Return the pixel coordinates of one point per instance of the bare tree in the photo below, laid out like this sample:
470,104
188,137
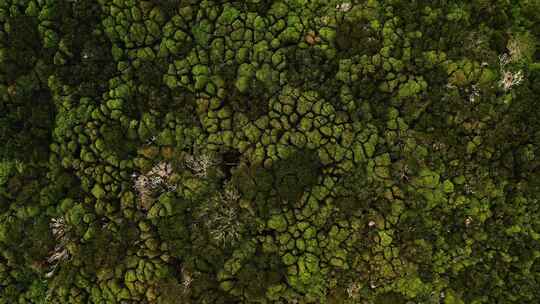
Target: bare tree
60,252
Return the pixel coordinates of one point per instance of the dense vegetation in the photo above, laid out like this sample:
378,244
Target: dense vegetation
258,151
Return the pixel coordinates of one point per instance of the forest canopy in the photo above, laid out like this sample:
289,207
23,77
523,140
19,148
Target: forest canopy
270,151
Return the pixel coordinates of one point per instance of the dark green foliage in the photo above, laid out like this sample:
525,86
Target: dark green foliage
91,252
23,47
25,121
86,60
263,267
312,69
111,134
352,38
289,178
390,298
175,231
296,174
89,68
172,292
257,6
355,192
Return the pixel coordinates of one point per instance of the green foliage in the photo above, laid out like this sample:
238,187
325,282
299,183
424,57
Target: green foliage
260,151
